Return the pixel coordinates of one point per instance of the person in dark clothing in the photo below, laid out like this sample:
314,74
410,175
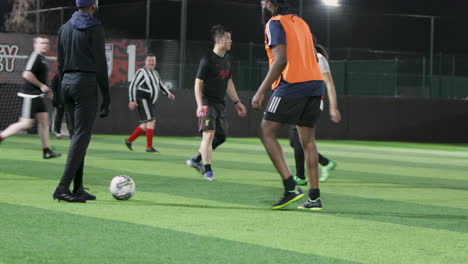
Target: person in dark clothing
32,92
57,102
214,80
83,66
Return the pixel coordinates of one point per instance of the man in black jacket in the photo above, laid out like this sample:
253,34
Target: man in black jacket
82,63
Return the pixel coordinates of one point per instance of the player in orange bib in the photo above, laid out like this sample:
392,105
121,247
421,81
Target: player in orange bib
297,84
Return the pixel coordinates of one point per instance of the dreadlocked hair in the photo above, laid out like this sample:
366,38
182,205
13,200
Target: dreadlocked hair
281,6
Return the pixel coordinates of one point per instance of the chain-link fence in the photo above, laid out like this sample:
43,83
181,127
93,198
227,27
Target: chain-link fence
371,54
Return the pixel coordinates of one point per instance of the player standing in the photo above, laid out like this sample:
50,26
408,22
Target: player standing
214,80
83,66
298,86
143,93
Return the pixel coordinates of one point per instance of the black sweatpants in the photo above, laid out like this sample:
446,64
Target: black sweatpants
80,98
59,111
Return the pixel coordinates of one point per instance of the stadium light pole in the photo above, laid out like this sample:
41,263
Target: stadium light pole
329,4
183,41
431,41
431,55
38,5
148,14
301,7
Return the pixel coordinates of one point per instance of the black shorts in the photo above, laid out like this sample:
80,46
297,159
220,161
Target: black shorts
146,110
214,119
31,106
304,111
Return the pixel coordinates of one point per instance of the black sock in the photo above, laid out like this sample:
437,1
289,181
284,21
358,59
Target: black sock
314,194
197,157
207,167
323,160
289,184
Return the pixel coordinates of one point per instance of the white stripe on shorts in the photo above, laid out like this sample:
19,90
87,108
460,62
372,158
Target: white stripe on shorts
274,104
277,103
145,105
26,113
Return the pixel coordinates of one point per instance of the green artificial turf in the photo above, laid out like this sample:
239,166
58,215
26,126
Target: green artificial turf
385,203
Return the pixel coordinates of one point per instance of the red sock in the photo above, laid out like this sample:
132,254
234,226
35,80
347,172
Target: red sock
149,137
136,133
45,149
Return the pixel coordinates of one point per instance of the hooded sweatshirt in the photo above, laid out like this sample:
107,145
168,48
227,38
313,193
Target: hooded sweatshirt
81,48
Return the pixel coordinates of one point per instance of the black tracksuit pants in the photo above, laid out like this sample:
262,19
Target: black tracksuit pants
80,99
59,111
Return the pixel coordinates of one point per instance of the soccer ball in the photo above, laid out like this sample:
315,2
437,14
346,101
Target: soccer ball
122,187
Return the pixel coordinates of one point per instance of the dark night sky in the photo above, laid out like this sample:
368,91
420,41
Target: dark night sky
355,24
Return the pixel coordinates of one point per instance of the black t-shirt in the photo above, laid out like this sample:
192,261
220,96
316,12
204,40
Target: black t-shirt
215,71
36,64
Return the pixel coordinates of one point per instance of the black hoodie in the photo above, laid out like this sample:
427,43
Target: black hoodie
81,48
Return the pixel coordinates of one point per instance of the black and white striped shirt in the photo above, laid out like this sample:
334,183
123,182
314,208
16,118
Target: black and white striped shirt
147,81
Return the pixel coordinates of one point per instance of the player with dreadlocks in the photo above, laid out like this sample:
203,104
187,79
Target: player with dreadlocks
297,84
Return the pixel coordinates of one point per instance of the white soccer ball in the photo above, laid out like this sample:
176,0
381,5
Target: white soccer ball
122,187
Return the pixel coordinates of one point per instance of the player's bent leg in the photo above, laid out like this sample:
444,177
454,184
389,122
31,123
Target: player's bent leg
138,131
269,130
150,124
295,143
307,136
218,139
22,124
43,120
43,128
269,138
328,167
206,150
149,136
196,165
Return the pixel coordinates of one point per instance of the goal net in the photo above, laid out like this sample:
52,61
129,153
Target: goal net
11,71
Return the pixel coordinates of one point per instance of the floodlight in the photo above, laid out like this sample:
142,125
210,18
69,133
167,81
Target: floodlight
331,2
